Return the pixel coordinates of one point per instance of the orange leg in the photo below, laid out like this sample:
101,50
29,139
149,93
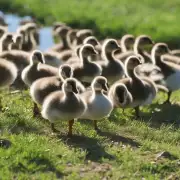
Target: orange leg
137,112
53,128
95,125
1,107
36,110
71,122
168,99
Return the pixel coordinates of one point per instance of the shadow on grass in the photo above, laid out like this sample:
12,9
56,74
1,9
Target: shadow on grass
163,114
117,138
42,165
95,152
157,115
19,124
112,136
17,129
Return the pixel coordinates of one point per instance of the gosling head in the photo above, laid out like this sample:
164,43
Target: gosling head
23,32
72,38
7,38
110,45
128,40
61,31
37,57
130,63
144,42
57,25
65,71
27,21
82,34
91,40
120,94
70,85
100,83
30,28
18,40
87,50
160,49
72,34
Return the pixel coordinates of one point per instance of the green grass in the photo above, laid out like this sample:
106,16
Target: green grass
158,18
125,149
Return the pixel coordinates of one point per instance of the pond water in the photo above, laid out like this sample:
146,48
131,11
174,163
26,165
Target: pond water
46,39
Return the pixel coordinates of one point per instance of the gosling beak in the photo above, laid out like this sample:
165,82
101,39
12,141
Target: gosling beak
75,90
105,87
169,52
95,52
13,41
118,50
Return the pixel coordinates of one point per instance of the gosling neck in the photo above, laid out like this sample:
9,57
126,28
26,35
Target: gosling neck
14,46
123,47
5,46
64,42
95,92
108,55
84,59
137,49
69,43
19,46
25,38
34,62
63,78
133,75
67,94
10,46
33,40
154,57
131,72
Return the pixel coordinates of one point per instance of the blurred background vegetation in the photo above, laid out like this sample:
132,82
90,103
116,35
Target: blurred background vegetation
108,18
